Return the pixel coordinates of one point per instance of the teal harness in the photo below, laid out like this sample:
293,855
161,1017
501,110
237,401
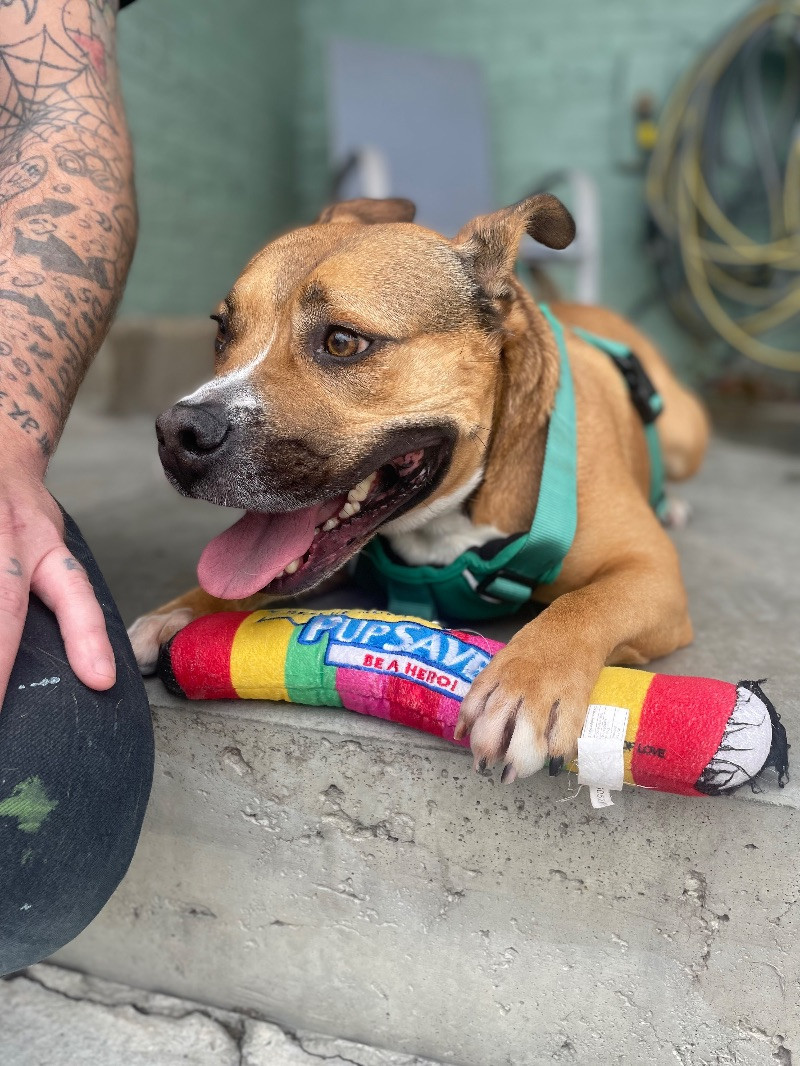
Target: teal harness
475,587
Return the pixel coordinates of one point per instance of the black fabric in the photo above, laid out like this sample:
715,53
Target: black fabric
778,758
75,774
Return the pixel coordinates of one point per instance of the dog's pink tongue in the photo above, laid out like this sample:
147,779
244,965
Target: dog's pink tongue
246,557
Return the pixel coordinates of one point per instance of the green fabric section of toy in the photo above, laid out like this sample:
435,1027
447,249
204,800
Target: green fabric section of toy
307,677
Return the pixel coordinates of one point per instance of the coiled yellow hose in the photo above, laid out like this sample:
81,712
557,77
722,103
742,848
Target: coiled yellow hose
685,211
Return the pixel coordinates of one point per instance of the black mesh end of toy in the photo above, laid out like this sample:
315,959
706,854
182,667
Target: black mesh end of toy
778,758
165,671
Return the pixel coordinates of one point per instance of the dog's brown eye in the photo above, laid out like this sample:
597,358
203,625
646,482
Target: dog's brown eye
222,331
343,344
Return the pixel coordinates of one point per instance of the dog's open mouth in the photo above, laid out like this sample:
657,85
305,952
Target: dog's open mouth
291,552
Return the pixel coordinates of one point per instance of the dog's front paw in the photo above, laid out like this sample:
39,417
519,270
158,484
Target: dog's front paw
148,633
522,711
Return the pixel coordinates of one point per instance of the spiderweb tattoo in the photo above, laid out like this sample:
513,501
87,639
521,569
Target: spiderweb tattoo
49,90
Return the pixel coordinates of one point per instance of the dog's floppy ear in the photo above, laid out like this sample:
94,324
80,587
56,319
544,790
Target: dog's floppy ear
489,243
394,209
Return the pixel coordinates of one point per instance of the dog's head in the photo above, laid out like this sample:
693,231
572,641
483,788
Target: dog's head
355,385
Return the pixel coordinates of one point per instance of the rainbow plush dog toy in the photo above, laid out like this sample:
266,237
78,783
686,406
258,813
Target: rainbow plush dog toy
687,735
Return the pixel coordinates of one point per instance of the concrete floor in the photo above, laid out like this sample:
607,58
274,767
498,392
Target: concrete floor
55,1017
624,965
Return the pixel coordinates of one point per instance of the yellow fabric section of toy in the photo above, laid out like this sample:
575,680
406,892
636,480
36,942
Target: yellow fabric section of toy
619,686
258,659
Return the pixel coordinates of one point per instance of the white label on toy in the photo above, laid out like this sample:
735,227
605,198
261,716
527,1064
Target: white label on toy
600,797
600,748
604,722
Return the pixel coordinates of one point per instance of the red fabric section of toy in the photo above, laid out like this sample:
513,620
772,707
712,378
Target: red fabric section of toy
422,708
200,656
681,728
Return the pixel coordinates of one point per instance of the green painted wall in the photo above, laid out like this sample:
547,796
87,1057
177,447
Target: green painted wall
209,89
561,76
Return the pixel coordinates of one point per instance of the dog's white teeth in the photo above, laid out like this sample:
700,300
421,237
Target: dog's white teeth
316,530
281,574
332,523
362,489
350,509
293,566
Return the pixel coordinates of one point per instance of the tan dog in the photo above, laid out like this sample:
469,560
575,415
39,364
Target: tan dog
373,374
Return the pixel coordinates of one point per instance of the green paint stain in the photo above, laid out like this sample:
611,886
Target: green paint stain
29,804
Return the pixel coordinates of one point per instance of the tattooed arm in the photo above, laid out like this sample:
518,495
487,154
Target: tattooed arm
67,232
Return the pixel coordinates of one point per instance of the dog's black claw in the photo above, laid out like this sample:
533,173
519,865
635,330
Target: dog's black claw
482,765
556,766
508,770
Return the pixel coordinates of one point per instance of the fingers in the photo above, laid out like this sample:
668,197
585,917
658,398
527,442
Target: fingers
14,586
61,583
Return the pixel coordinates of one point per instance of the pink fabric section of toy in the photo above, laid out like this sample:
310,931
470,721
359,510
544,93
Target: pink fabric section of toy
400,697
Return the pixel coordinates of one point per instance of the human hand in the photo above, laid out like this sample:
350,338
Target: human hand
34,557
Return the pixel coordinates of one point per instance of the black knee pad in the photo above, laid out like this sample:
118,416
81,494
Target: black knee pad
75,773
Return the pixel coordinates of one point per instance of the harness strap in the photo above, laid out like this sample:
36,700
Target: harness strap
543,550
647,402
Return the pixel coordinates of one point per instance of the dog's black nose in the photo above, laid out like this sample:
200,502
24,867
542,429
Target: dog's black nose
193,435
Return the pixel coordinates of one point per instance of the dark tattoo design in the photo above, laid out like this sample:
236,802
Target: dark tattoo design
35,305
28,5
14,569
27,280
20,175
72,564
80,158
51,88
39,352
56,208
65,255
56,256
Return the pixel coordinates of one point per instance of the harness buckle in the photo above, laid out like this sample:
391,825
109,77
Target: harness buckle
502,574
644,397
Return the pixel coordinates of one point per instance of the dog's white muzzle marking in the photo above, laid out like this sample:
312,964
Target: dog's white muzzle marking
235,388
